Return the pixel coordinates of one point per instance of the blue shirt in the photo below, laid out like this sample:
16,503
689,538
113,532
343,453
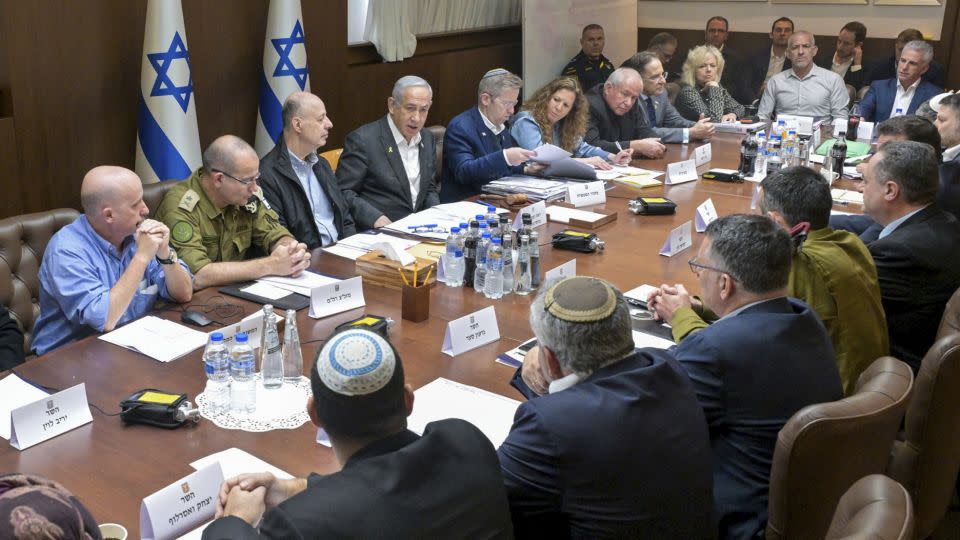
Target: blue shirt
526,132
319,203
892,226
79,268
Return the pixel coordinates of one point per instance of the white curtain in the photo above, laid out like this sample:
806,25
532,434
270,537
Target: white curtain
392,25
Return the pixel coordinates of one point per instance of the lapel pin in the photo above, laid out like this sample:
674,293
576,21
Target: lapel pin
389,149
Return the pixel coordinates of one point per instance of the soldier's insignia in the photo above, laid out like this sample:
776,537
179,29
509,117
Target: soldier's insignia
189,200
182,231
252,205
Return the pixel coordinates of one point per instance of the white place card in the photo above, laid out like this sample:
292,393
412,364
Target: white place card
48,417
538,215
336,298
703,154
803,124
250,325
680,172
586,194
565,270
755,199
817,158
706,214
679,240
471,331
181,506
16,393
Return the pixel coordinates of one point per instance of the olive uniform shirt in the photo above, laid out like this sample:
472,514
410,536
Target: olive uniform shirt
201,233
835,275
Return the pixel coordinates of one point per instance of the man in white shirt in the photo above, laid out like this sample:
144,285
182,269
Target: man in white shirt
847,61
904,93
806,89
766,63
390,163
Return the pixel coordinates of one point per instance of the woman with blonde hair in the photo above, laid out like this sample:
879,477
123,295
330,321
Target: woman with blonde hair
557,114
701,93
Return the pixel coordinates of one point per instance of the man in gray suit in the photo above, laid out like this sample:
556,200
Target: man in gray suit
390,162
656,109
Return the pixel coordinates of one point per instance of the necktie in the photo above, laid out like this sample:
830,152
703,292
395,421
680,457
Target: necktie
651,112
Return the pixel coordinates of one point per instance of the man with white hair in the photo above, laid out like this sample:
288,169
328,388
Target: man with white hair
615,122
390,162
805,89
902,94
109,266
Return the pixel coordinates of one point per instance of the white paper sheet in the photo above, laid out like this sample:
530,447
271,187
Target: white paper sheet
562,214
443,398
157,338
300,284
16,393
266,290
235,461
641,339
548,153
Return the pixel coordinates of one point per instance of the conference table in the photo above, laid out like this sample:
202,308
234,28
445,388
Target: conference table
111,467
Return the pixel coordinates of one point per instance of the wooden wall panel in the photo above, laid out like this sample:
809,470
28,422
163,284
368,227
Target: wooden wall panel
9,169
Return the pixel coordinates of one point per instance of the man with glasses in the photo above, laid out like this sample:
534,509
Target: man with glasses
477,146
299,185
615,122
218,218
763,344
807,89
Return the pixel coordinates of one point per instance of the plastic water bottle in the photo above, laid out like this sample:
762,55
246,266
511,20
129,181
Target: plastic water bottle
216,363
507,246
493,284
790,149
483,245
898,112
480,274
521,272
774,162
292,356
271,357
491,212
453,244
243,389
494,227
760,164
455,268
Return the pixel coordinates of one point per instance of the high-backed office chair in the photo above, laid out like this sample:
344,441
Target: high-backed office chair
153,194
23,239
332,157
438,133
950,323
823,449
874,507
926,462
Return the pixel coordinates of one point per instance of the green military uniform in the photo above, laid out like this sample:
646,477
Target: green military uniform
201,233
589,72
835,275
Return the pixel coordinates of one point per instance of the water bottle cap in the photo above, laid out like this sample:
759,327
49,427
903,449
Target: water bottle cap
241,337
491,208
463,224
479,217
496,240
483,224
454,229
792,132
485,235
216,336
458,253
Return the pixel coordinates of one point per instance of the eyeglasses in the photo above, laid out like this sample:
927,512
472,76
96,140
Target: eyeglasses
506,104
246,182
658,78
696,268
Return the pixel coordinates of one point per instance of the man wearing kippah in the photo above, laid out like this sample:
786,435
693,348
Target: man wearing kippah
615,444
393,483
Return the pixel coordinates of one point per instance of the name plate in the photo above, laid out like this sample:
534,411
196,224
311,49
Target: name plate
251,325
181,506
336,297
565,270
48,417
586,194
703,154
538,215
706,214
678,240
681,172
471,331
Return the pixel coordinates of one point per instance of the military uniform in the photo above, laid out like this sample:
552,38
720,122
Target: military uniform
589,72
202,234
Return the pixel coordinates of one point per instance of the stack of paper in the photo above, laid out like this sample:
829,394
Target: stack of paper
300,284
441,217
157,338
738,127
562,214
359,244
443,398
536,189
846,196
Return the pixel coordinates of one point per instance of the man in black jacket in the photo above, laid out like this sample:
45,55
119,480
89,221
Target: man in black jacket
615,120
300,186
11,341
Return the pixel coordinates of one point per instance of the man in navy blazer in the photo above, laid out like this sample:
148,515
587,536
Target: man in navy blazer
948,124
886,68
390,162
763,345
914,245
907,91
477,146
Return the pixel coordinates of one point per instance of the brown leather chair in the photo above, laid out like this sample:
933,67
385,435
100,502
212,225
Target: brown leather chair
332,157
23,239
438,133
926,462
950,323
874,507
153,194
823,449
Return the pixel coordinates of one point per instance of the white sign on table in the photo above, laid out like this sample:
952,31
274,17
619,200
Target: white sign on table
48,417
565,270
703,154
681,172
538,215
336,297
250,325
586,194
181,506
471,331
706,214
678,240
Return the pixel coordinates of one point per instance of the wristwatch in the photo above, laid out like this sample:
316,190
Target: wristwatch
172,259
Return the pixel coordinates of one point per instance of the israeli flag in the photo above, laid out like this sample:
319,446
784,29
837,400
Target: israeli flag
168,142
284,69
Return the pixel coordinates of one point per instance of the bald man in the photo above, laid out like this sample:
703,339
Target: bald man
108,267
218,219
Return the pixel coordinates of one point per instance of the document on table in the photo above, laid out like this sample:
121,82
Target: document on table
548,153
157,338
300,284
443,398
562,214
846,196
266,290
16,393
642,339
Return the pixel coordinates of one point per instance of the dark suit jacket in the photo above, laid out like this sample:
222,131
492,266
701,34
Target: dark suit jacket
370,169
605,128
445,484
286,196
11,341
755,67
887,69
623,453
949,195
735,78
876,105
751,373
472,156
670,124
918,266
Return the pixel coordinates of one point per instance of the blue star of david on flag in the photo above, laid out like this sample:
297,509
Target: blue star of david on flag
161,62
284,47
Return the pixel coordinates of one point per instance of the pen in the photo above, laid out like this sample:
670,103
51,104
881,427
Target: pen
620,148
428,226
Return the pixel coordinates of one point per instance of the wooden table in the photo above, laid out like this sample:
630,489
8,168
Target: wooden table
112,467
